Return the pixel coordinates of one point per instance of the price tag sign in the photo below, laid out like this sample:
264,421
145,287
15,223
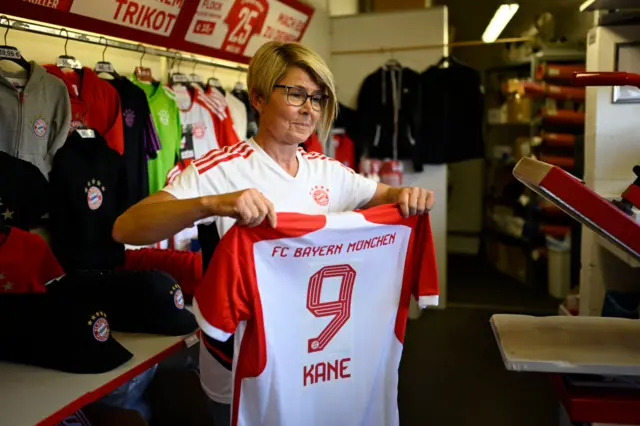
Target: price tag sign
104,67
8,52
191,340
179,78
86,133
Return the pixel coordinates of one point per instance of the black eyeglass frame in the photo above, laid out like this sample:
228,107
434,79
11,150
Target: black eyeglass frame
323,99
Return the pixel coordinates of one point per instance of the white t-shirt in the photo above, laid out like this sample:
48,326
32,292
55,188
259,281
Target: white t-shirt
319,308
322,185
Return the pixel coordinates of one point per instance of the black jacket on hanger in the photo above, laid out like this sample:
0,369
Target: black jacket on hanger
388,112
451,113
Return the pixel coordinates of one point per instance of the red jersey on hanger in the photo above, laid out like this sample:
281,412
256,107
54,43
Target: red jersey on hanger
343,150
26,263
245,19
313,144
94,103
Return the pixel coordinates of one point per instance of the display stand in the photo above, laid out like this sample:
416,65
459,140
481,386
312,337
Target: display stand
37,396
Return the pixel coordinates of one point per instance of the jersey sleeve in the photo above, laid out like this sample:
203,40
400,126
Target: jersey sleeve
114,134
186,185
425,270
190,184
356,190
223,297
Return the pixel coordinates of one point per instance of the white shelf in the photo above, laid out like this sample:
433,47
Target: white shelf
38,396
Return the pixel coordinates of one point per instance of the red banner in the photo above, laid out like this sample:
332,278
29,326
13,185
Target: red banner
226,29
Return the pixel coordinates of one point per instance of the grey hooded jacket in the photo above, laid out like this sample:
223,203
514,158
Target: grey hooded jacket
34,124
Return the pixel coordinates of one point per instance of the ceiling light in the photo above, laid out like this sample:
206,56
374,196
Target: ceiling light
499,21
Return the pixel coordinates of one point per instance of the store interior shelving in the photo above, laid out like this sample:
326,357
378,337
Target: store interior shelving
531,111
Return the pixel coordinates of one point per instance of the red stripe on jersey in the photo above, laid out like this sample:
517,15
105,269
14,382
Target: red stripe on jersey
223,157
318,156
215,153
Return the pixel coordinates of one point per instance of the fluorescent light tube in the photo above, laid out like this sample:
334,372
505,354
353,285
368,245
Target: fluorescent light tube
499,21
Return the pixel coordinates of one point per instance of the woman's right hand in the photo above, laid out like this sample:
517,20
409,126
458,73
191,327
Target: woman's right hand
248,206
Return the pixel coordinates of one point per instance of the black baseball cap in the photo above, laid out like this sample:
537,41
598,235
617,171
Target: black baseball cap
136,301
60,333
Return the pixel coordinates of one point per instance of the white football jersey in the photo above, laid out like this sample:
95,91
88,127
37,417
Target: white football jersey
319,307
321,186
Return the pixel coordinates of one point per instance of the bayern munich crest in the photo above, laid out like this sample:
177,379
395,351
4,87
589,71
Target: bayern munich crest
320,195
178,299
39,127
94,190
100,328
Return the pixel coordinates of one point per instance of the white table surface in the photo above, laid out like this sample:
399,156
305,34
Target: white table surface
564,344
28,395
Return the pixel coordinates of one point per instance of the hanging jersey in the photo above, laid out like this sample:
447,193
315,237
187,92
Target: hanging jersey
238,115
313,144
26,263
26,204
166,118
94,103
319,307
198,129
245,19
321,186
140,137
343,149
88,183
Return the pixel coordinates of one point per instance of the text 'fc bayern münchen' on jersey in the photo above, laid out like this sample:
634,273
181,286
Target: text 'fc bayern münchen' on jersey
319,307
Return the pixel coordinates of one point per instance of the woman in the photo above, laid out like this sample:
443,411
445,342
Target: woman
294,93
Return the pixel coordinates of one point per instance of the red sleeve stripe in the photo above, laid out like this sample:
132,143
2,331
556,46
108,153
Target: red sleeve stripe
318,156
173,173
241,150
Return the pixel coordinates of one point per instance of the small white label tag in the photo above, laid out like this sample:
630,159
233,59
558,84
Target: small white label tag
17,82
86,133
9,53
191,340
68,62
186,154
104,67
179,78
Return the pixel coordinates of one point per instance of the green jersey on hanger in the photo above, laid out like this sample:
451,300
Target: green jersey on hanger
166,118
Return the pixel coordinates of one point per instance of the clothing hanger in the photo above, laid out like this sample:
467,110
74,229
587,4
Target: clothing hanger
194,78
104,67
10,53
143,74
66,61
178,77
239,84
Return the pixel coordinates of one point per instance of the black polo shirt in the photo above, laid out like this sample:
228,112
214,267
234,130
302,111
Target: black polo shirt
89,190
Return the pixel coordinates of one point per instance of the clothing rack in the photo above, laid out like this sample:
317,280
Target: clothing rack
38,28
431,46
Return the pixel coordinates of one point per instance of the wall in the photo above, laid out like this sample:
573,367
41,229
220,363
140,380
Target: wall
406,28
611,151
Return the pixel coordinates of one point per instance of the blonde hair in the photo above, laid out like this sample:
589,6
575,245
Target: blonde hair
270,64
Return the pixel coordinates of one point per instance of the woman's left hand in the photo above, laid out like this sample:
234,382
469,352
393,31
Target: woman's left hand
414,201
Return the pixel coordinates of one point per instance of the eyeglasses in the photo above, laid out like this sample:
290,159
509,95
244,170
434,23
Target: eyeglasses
296,96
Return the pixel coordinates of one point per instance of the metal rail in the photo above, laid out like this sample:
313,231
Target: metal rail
42,29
